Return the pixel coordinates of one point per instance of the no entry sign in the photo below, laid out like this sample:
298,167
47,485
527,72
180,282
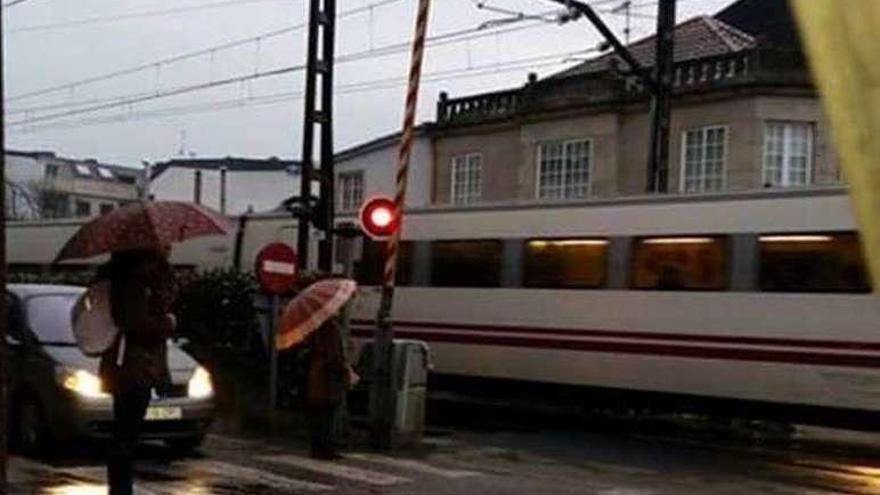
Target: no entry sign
276,268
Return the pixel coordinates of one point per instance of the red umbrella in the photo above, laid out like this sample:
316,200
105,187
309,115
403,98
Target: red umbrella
311,308
143,225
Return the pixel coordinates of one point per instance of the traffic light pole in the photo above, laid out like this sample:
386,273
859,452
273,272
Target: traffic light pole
382,395
322,24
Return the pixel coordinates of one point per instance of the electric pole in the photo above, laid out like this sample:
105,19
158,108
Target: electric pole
322,20
657,81
661,101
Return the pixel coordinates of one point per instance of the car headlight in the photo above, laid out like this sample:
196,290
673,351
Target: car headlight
200,384
83,383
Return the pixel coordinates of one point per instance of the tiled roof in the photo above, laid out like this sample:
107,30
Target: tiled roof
696,38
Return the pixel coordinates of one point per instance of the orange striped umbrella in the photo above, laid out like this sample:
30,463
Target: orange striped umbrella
143,225
311,308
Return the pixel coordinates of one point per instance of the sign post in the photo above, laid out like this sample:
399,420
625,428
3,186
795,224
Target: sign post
277,272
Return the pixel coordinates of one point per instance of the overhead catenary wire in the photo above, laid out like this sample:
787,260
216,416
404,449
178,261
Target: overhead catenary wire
345,89
134,15
451,37
188,55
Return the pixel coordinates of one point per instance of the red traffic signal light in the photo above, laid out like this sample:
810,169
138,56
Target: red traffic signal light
379,218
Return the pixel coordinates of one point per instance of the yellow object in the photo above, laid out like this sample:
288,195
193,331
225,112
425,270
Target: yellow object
84,384
841,38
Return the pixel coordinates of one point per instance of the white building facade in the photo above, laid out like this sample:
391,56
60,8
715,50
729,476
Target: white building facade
233,186
42,185
369,169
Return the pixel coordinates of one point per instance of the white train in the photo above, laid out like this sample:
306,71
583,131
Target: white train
758,301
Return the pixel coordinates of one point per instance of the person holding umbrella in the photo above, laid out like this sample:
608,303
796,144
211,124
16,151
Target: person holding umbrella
142,290
311,318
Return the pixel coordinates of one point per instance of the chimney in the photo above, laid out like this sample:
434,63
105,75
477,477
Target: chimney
197,190
223,171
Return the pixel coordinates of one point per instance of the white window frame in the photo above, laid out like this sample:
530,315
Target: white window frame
469,197
590,169
346,197
786,152
682,184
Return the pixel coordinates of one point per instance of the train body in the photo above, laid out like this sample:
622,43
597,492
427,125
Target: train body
758,301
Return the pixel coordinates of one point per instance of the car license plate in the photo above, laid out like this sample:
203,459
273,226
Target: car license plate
163,413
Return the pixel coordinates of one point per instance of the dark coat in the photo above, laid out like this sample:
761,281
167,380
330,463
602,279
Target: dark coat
327,377
141,299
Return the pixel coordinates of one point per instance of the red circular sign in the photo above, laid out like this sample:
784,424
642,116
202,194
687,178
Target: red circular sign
276,268
378,217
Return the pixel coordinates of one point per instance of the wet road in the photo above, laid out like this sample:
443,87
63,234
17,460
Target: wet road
547,462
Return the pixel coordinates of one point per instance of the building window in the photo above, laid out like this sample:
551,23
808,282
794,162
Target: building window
466,263
703,152
107,207
680,263
788,154
813,263
51,170
83,208
467,178
564,169
351,190
565,263
83,170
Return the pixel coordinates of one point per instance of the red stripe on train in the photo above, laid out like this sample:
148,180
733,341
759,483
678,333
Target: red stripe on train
697,352
636,335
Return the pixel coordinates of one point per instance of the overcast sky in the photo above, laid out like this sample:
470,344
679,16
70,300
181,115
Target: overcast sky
252,122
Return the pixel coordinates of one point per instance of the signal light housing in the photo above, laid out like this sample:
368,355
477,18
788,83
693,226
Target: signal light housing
378,218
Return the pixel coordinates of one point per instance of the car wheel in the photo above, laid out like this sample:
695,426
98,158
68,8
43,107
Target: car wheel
32,434
184,445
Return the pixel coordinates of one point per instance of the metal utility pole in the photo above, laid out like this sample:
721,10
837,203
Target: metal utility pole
322,20
661,102
382,396
659,84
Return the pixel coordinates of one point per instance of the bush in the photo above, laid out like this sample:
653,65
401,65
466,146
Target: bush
216,311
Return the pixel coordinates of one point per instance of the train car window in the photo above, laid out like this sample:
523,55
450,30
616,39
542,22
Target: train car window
812,263
369,268
466,263
565,263
680,263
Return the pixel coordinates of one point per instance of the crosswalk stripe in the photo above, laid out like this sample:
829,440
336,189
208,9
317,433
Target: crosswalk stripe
413,465
213,468
225,469
337,470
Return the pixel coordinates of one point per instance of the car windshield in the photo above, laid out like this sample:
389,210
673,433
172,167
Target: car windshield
49,317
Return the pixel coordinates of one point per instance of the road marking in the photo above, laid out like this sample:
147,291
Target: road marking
337,470
413,465
240,473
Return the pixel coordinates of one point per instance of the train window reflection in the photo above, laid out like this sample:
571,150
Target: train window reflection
466,263
565,263
369,269
680,263
813,263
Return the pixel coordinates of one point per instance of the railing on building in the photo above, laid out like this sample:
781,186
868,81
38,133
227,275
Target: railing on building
754,66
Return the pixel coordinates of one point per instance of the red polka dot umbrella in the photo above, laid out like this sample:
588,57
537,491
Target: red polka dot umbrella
143,225
311,308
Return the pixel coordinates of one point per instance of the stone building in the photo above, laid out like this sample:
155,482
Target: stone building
745,116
